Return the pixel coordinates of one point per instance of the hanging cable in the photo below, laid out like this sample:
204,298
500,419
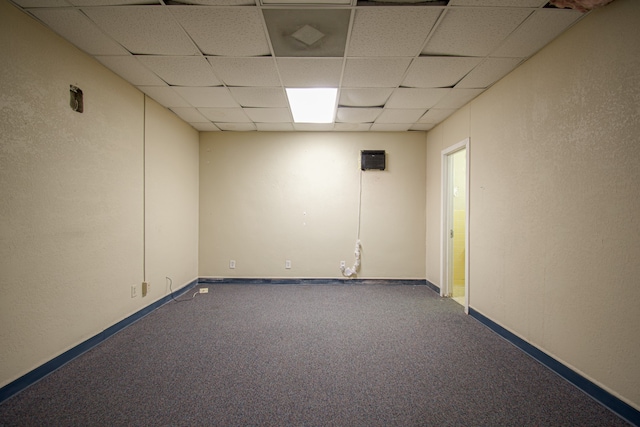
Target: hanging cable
352,271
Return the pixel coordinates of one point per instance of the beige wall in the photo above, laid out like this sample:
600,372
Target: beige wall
554,199
71,217
171,201
268,197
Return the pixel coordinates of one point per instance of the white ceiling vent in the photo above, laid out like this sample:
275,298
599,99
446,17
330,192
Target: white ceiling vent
307,35
308,32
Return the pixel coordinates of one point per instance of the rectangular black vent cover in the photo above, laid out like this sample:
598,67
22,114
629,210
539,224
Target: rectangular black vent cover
372,159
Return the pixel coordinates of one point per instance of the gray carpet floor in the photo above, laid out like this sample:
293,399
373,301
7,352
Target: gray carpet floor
305,355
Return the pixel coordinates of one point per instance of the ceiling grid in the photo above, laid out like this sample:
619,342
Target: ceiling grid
223,65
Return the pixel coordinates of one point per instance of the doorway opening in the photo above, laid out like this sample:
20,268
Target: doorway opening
455,224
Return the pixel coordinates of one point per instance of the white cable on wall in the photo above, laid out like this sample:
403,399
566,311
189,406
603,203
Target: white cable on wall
352,271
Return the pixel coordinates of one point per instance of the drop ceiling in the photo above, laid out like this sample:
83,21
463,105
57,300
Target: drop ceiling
222,65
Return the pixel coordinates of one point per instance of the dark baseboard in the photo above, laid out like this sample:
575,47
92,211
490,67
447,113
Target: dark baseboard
596,392
302,281
434,288
42,371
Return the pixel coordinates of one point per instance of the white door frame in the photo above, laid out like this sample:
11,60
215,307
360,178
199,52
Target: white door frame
444,224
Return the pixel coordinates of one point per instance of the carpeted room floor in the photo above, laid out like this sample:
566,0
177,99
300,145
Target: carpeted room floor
306,355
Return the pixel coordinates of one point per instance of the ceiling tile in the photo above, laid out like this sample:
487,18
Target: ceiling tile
352,127
364,97
41,3
310,72
286,29
274,127
205,127
487,73
320,127
499,3
400,115
422,126
190,115
374,72
224,31
148,30
75,27
111,2
438,71
416,98
357,115
268,115
165,96
390,127
181,70
457,98
474,31
219,2
259,96
237,127
245,71
225,115
542,27
435,116
386,31
207,96
131,70
315,2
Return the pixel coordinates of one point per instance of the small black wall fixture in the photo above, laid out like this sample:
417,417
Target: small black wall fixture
75,99
372,159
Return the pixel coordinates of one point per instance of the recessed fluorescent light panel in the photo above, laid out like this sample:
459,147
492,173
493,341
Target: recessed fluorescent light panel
312,105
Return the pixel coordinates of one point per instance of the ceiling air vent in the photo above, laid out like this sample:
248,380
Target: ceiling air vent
372,160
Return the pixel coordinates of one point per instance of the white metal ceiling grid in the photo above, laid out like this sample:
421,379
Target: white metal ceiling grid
224,64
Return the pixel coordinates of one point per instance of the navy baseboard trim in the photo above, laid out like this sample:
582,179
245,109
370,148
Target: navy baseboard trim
434,288
42,371
293,281
596,392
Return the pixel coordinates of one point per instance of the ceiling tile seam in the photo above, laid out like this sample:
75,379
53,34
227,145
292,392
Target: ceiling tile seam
406,71
478,65
204,56
186,33
84,15
435,26
275,62
443,12
529,17
352,18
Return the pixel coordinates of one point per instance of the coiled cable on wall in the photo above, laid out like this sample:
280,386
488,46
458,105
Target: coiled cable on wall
352,271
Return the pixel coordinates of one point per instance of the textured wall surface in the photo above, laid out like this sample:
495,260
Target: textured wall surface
555,199
71,217
266,198
171,200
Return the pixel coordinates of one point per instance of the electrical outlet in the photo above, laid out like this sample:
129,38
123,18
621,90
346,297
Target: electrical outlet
287,264
204,290
134,291
232,264
343,264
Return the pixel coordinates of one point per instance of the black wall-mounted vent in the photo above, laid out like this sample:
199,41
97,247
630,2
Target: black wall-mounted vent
372,160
